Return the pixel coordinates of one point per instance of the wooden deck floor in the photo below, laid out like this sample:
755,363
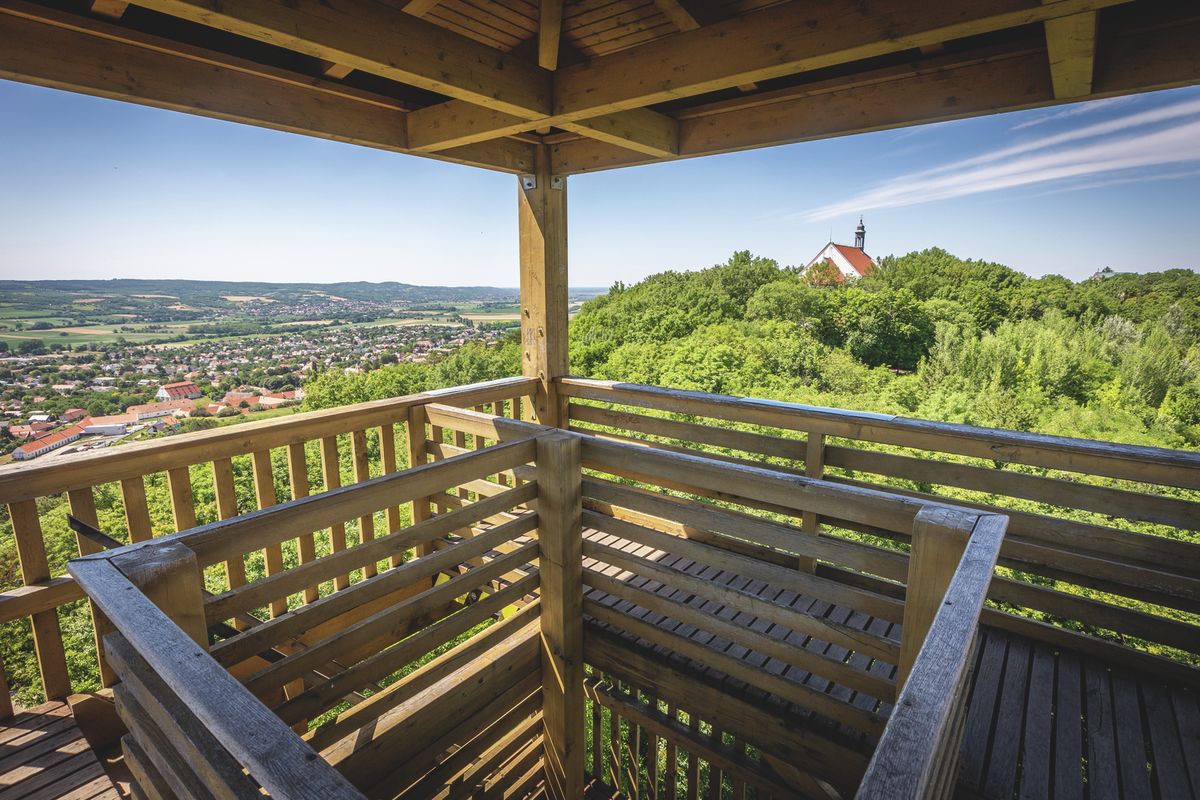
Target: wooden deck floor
1041,723
44,756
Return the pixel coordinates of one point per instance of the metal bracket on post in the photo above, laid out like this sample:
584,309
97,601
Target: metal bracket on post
558,182
529,182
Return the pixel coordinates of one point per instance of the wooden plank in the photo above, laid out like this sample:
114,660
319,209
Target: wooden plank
874,604
1101,733
331,470
1071,46
137,513
383,41
1001,778
264,495
1131,738
183,508
226,605
1129,462
82,503
542,224
47,633
274,755
143,694
560,562
30,481
382,664
387,465
917,754
298,479
1068,724
295,622
788,690
420,679
362,473
1169,765
814,467
169,576
549,32
418,455
1036,741
226,494
940,538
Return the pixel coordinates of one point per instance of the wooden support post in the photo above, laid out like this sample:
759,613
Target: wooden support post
47,633
542,216
418,455
814,467
83,508
939,538
560,561
169,575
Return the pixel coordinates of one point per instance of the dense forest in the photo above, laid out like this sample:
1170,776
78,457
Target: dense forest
927,335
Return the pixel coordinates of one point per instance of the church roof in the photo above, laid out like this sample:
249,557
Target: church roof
863,264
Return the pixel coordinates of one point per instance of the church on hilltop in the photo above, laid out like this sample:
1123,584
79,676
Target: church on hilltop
851,262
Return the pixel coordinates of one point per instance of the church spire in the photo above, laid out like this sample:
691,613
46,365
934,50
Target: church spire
860,235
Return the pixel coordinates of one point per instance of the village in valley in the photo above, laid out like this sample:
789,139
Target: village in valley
123,366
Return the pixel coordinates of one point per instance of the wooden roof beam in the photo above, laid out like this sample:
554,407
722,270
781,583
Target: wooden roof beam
779,41
502,89
951,87
549,33
784,40
382,40
1071,48
113,9
49,48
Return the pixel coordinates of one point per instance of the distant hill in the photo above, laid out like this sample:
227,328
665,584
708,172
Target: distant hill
209,293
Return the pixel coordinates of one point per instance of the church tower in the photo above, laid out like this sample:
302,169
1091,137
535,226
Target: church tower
860,235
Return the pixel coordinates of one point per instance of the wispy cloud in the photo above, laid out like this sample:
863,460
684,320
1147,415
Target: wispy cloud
1156,137
1076,110
1175,175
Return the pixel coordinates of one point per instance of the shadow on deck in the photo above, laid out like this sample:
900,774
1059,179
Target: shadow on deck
1042,722
45,756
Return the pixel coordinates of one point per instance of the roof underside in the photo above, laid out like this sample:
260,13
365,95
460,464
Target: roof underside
603,83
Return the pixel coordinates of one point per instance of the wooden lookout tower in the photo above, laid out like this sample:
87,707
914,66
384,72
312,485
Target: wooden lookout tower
552,586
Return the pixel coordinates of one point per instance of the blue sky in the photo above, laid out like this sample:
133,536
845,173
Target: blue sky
91,188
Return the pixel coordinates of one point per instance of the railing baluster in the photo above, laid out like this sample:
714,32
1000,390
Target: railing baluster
47,633
814,467
264,493
298,478
331,468
362,472
417,455
82,503
183,506
137,511
6,704
235,568
387,462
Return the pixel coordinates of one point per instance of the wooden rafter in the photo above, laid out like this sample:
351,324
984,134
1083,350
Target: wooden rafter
1071,48
777,42
113,9
378,39
680,17
549,33
419,8
63,51
950,87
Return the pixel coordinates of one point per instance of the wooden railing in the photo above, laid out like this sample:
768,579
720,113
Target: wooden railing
1077,574
835,660
397,668
306,444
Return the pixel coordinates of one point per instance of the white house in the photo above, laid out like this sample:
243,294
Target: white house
852,262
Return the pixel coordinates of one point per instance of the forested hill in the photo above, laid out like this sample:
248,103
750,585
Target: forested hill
927,335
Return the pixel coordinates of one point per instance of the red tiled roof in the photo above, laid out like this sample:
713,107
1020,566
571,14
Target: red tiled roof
862,263
52,439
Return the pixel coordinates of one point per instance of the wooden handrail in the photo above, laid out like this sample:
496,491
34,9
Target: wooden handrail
29,481
918,753
1164,466
269,750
